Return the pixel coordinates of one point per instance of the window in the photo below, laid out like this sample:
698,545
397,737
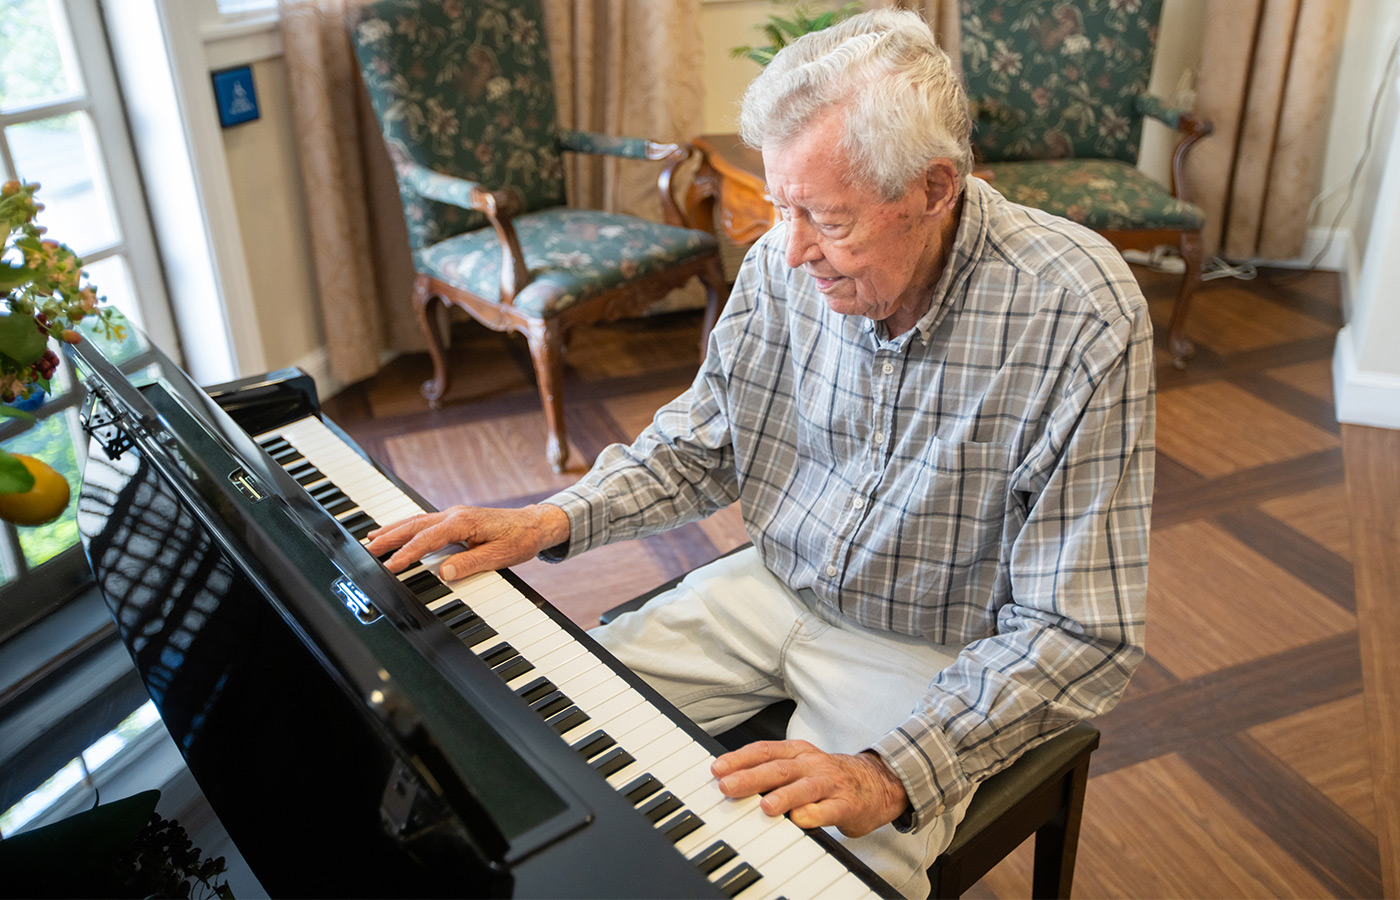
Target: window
61,124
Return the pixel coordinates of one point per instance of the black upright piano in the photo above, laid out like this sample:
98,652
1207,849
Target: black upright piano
360,733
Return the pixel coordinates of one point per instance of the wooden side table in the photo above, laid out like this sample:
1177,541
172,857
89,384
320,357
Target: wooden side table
731,175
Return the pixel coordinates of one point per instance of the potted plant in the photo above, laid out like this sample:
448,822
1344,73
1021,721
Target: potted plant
782,31
43,295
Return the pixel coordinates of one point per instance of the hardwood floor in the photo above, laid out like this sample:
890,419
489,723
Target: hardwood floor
1256,751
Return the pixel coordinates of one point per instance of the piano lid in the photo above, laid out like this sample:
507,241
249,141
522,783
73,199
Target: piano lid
190,525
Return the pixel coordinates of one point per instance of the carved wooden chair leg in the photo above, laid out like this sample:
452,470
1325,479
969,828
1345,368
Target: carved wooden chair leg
547,352
716,295
434,388
1193,256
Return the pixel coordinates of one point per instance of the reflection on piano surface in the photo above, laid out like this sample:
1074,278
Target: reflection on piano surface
361,733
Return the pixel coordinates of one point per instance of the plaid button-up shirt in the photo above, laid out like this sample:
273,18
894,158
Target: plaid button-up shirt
983,479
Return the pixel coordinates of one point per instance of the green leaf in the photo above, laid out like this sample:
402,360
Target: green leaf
12,277
13,413
14,477
20,339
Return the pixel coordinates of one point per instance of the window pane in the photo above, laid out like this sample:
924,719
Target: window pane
50,440
61,154
112,278
36,65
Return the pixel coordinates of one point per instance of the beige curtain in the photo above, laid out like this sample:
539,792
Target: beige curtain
359,246
630,68
1265,81
621,67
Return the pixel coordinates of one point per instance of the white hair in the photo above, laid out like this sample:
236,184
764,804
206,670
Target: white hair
903,103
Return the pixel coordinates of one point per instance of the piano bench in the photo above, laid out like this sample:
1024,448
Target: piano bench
1041,794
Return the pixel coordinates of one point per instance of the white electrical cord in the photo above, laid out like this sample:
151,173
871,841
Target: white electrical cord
1351,184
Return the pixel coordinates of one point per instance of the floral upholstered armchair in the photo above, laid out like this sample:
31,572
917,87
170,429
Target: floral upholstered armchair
1058,91
465,98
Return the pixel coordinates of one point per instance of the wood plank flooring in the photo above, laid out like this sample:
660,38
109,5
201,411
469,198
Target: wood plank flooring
1256,752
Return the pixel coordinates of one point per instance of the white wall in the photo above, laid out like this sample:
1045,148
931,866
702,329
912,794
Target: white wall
1366,364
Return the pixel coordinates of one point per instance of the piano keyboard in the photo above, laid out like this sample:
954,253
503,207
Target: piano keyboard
638,749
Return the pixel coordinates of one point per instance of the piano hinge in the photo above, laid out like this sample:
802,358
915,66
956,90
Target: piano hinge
396,806
102,425
355,600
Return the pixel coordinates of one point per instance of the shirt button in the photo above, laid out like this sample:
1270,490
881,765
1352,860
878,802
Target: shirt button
857,502
879,437
830,571
888,369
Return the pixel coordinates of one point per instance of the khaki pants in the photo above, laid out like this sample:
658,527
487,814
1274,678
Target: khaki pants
731,639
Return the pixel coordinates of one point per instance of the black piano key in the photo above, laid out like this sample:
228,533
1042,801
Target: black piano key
339,505
551,703
567,720
610,762
738,879
305,473
594,744
513,669
498,654
359,524
420,581
285,456
661,806
536,689
476,633
681,825
712,857
310,476
327,491
466,623
435,591
451,610
274,442
460,616
641,787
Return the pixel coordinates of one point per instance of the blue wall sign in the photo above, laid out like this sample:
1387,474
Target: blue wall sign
238,100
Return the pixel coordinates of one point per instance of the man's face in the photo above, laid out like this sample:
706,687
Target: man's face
868,257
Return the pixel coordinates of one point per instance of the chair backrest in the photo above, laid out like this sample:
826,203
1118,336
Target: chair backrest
1049,79
463,87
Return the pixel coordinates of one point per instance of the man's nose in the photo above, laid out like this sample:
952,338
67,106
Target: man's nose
801,248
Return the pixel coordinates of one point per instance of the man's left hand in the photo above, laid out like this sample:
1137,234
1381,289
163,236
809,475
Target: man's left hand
856,793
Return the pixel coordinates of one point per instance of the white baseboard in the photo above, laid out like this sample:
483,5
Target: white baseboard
1363,398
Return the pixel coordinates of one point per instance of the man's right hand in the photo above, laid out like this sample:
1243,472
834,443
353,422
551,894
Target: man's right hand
495,538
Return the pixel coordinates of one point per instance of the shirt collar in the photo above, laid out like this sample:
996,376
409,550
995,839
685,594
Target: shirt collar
967,246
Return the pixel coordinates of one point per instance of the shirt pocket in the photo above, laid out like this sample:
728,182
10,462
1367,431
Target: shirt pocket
951,536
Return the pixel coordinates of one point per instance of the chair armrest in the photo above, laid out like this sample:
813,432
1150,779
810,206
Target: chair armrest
606,145
1175,118
1188,125
497,206
433,185
636,148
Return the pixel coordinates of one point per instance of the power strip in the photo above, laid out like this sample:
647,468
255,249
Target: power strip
1156,260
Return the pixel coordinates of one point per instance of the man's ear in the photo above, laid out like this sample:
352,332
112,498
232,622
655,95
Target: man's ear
942,187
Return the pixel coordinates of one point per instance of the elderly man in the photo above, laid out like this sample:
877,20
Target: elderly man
936,410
